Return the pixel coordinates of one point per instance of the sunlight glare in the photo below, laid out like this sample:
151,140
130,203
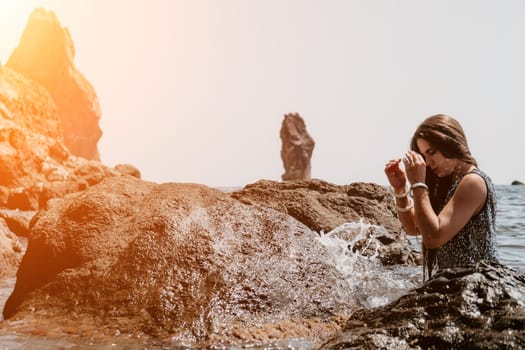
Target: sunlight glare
13,16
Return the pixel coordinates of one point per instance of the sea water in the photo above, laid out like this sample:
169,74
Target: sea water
510,225
372,283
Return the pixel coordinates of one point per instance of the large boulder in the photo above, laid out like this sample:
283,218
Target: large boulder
46,55
476,307
176,260
323,207
297,147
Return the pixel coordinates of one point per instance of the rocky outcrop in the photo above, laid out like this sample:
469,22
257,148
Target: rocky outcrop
477,307
17,221
128,169
45,54
36,165
517,182
297,148
323,206
10,251
28,106
176,260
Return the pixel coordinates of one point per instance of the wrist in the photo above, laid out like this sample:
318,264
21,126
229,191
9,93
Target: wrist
400,192
421,186
407,207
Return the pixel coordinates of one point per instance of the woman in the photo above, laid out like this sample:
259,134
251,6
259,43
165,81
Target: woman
450,202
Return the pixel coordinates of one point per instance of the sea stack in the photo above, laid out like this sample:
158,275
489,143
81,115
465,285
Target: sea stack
297,148
45,54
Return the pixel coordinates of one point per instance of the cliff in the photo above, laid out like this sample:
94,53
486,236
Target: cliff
45,54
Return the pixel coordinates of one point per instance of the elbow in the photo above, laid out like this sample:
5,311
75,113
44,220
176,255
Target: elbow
433,241
411,231
431,244
409,227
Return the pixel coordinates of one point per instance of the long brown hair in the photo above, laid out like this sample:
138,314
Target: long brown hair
445,134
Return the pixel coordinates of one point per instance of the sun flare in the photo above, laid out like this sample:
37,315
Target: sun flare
14,15
13,18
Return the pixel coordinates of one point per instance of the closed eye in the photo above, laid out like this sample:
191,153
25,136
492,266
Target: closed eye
429,152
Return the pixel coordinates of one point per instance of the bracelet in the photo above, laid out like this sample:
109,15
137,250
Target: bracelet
408,207
402,195
419,184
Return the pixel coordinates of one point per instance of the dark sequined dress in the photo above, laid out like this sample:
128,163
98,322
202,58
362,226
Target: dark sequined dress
476,241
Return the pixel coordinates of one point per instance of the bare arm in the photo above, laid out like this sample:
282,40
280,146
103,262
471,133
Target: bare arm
407,218
397,179
468,199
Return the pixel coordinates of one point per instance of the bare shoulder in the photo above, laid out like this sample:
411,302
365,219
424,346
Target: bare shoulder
473,187
474,181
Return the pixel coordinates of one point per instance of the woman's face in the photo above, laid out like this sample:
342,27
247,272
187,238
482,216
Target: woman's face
440,165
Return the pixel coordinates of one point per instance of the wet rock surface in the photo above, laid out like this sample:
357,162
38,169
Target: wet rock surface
296,148
176,260
323,206
476,307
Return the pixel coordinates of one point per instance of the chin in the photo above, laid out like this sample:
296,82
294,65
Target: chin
442,174
439,173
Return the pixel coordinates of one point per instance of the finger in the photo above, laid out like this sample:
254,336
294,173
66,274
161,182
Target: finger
417,158
393,162
392,166
412,154
417,155
392,170
407,159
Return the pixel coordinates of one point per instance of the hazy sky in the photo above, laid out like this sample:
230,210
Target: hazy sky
196,90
